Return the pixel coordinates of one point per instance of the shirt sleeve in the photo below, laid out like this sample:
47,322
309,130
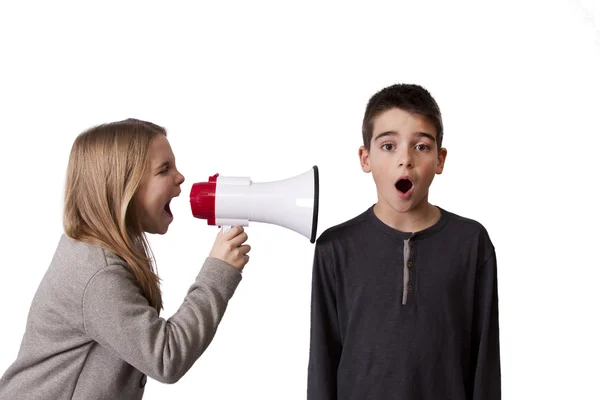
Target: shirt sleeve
485,359
119,317
325,341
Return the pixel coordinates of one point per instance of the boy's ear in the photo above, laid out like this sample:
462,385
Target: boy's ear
442,153
363,154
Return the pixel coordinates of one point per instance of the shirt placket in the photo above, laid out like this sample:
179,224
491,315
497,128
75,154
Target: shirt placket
408,265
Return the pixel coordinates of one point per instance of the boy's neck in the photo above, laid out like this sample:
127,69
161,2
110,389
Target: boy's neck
417,219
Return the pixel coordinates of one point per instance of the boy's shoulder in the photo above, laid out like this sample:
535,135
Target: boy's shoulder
464,225
450,223
343,229
470,233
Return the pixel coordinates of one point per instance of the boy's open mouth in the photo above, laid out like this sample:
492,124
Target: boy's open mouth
404,185
168,208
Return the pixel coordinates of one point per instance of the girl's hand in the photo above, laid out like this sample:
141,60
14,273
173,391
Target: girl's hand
230,247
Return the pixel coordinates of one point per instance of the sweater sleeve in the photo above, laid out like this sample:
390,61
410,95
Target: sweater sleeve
119,317
325,341
485,358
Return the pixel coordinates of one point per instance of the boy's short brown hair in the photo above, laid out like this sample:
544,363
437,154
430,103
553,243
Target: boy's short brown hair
408,97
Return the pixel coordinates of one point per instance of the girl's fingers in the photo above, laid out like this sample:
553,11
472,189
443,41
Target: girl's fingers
233,232
239,239
244,249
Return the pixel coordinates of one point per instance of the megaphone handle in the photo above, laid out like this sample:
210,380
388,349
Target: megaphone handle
225,229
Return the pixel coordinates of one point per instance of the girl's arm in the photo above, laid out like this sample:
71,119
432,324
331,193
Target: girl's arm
118,316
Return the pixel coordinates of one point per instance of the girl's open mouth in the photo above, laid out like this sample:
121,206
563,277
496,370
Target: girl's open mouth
168,208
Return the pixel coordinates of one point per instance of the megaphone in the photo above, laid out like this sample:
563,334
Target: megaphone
229,201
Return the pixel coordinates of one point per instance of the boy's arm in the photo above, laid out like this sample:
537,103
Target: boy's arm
325,343
485,356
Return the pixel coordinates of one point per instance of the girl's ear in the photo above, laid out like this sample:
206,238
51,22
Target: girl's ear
363,155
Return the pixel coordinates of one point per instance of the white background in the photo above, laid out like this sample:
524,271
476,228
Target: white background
267,90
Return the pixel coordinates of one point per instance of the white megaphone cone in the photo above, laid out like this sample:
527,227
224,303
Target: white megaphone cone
228,201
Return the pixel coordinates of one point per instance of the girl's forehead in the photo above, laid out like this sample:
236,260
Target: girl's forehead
159,146
160,152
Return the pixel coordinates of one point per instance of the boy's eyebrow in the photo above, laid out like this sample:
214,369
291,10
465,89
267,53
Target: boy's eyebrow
427,135
394,133
386,133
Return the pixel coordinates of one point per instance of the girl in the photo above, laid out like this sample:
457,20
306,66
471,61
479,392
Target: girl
93,330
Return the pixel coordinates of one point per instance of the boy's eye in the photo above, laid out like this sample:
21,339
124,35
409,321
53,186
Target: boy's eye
387,146
422,147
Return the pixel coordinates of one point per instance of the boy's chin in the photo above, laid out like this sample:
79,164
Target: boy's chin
404,209
403,206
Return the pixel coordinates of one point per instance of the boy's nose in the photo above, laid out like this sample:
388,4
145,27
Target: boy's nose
405,159
181,179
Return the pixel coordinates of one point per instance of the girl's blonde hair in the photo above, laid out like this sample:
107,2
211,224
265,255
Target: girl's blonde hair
106,166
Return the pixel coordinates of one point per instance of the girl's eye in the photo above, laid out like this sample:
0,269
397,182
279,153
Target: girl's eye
164,171
387,146
422,147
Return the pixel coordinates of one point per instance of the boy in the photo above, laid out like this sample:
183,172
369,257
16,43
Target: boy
404,296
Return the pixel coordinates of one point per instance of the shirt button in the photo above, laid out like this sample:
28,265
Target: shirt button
409,264
143,381
409,287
